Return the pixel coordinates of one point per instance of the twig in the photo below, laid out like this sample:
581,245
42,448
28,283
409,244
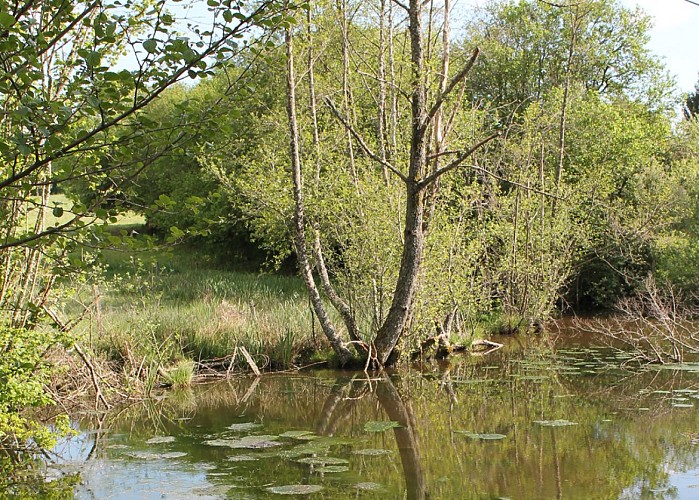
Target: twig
361,142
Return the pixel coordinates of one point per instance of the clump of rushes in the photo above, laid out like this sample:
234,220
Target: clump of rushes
181,374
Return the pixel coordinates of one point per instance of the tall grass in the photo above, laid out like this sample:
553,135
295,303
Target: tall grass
164,312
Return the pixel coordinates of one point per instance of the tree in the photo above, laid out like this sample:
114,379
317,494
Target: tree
691,103
418,179
69,114
531,47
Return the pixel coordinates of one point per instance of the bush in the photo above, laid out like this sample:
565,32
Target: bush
24,374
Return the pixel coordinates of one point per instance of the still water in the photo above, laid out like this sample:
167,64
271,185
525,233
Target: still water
531,421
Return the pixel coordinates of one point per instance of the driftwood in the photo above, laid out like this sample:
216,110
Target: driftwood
444,348
250,361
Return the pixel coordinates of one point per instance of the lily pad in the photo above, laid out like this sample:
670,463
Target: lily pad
381,426
322,461
295,489
372,452
244,426
161,439
242,458
311,448
684,367
249,442
555,423
332,469
483,436
144,455
296,434
487,437
368,486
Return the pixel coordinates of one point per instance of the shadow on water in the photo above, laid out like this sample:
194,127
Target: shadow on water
533,421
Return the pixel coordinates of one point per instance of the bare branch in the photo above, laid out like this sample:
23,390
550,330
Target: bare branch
453,83
456,163
361,142
401,5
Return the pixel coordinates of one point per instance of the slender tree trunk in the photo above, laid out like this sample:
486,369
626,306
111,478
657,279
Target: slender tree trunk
564,105
381,111
344,354
401,307
438,128
346,92
338,303
313,104
394,95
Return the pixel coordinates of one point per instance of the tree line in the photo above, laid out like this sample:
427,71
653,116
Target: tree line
519,160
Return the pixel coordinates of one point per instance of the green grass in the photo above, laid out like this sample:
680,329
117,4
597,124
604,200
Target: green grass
169,305
181,374
126,220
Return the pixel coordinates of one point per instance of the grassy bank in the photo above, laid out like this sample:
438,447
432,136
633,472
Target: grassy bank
163,308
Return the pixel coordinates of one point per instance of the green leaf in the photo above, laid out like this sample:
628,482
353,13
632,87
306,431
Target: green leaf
92,59
176,232
381,426
7,19
55,142
228,16
151,45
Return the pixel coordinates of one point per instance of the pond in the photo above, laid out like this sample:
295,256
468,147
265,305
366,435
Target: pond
534,420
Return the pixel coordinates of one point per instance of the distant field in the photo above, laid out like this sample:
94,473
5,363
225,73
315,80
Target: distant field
63,202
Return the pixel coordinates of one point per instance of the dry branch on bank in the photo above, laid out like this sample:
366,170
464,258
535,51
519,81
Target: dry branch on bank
657,326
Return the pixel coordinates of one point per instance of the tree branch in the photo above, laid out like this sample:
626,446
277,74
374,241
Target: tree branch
453,83
69,149
361,142
456,162
401,5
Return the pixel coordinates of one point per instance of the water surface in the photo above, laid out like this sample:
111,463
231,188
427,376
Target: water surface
529,421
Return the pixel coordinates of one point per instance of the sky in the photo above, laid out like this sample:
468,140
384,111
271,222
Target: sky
675,37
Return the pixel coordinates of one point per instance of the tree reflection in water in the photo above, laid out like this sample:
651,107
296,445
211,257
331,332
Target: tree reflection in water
630,439
345,394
